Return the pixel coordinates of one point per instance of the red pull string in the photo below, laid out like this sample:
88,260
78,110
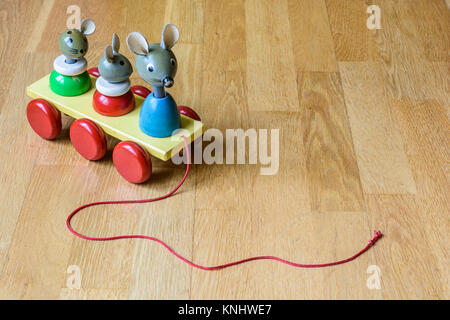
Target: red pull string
377,234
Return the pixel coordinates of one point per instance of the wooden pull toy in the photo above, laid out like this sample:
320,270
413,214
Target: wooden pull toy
143,120
157,65
113,96
70,76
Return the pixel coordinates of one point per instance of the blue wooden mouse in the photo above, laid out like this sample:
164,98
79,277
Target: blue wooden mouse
157,65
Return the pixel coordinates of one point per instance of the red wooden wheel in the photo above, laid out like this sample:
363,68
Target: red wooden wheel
88,139
132,162
141,91
94,72
188,112
44,118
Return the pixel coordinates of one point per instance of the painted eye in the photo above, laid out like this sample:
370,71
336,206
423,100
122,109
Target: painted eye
173,62
69,32
68,40
150,68
122,63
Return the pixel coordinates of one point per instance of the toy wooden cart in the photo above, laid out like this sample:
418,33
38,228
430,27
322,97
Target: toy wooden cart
131,157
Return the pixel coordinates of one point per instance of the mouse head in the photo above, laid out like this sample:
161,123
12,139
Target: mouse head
73,43
155,62
113,66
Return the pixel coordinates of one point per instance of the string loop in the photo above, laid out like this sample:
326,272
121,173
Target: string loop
377,234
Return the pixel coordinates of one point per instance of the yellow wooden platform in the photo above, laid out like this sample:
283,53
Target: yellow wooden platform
125,127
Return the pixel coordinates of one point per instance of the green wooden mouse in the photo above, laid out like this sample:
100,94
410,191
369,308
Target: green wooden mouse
73,43
69,77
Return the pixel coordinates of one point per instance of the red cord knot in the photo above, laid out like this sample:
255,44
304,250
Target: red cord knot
377,235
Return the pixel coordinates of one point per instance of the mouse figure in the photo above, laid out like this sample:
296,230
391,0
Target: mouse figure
113,96
157,65
69,77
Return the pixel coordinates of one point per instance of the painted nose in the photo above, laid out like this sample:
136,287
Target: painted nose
168,82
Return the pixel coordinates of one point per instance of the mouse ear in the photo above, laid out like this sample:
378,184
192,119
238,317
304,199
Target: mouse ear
170,36
109,54
137,43
87,26
115,43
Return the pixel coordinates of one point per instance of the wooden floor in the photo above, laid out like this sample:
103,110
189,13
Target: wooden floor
364,144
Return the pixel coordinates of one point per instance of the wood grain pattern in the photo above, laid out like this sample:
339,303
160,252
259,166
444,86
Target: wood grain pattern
312,41
422,123
416,268
269,55
352,40
12,43
331,162
40,248
408,53
16,171
224,78
39,29
188,14
363,119
383,164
